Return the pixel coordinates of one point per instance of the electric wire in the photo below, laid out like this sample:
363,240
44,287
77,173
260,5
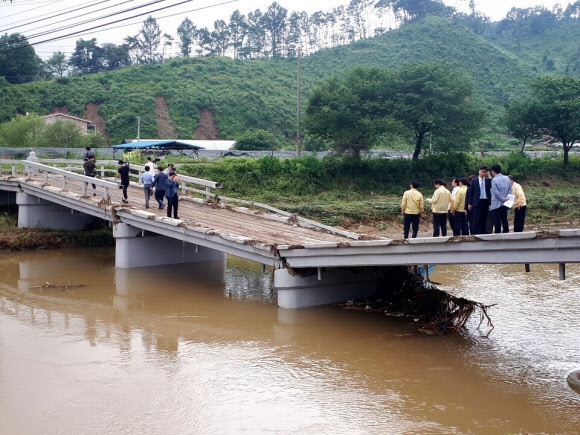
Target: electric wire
52,16
70,26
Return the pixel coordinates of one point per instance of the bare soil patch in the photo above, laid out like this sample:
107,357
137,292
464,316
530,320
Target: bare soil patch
206,128
165,125
92,114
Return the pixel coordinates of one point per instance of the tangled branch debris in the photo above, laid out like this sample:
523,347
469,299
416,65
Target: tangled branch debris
438,312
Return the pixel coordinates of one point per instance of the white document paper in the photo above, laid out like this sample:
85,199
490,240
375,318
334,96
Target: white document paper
510,202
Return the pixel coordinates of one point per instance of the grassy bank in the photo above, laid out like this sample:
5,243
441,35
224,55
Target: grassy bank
13,238
346,192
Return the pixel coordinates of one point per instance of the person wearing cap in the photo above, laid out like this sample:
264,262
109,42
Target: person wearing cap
171,193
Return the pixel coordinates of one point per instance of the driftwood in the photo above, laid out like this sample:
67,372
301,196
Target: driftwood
437,311
61,287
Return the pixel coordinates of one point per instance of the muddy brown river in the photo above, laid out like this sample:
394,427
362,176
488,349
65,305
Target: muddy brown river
203,349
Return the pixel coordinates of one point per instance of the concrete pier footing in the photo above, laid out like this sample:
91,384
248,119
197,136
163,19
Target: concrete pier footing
324,286
137,248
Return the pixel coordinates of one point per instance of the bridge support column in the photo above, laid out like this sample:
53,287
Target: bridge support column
323,286
34,212
136,248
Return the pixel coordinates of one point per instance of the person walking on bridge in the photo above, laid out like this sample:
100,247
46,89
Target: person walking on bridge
123,173
412,207
147,180
159,183
90,168
171,193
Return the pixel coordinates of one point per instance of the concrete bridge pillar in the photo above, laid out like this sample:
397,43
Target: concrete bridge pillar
324,286
138,248
34,212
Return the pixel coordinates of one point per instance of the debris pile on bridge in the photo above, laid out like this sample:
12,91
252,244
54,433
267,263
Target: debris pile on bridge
404,293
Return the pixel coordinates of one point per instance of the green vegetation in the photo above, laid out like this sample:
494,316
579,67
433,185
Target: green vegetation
345,191
31,131
261,94
419,102
553,110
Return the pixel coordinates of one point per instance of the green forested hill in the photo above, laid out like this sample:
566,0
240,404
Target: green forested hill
261,94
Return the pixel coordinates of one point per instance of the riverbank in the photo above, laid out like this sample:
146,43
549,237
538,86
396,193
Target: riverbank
13,238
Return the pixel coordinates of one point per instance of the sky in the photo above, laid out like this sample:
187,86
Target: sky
42,17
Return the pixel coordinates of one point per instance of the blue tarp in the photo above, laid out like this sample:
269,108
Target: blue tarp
158,145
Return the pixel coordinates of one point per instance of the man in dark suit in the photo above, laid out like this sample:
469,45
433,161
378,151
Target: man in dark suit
478,200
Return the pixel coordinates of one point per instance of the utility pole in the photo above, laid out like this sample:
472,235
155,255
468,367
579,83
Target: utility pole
138,128
298,149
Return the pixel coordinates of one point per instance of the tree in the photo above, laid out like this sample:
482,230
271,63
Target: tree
22,131
419,101
186,33
238,30
433,101
258,140
352,111
57,64
274,22
521,119
557,102
18,60
146,43
65,134
86,58
114,56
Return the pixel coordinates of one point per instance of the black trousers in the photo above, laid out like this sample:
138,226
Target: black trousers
172,206
439,223
500,220
460,228
451,220
519,219
125,186
408,221
480,213
159,195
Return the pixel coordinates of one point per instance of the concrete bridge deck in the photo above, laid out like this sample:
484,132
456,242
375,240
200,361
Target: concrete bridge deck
301,251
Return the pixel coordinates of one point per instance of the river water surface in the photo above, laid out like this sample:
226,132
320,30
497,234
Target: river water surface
203,349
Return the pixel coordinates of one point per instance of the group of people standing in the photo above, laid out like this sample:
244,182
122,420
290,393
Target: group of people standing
164,183
476,205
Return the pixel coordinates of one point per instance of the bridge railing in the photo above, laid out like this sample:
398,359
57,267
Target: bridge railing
187,183
67,177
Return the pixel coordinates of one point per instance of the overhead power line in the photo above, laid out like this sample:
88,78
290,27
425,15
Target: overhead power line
65,12
70,26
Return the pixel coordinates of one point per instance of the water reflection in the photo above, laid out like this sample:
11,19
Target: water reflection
203,349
